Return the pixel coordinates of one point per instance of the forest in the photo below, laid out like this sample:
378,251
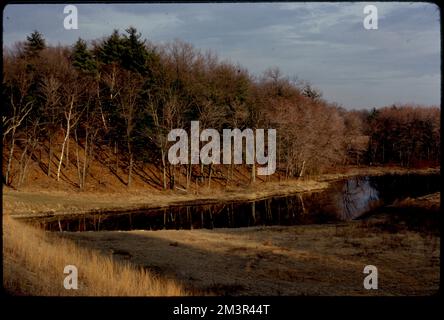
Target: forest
114,100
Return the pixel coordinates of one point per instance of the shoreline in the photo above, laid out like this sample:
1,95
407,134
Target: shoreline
324,259
28,204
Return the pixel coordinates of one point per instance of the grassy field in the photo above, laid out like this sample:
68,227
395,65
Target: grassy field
295,260
33,264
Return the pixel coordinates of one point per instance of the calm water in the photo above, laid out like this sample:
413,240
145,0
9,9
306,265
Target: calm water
344,200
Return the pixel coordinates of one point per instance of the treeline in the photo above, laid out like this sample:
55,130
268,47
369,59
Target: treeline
126,93
408,135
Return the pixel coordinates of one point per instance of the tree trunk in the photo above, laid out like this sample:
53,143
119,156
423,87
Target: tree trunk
164,169
27,160
68,127
116,156
21,164
253,172
302,169
130,170
209,174
85,158
26,166
202,172
188,175
11,153
79,174
49,155
67,154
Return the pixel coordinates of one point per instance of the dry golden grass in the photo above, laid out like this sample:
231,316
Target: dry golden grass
322,260
34,262
429,202
35,203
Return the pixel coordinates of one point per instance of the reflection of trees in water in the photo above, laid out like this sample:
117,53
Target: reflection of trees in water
344,200
357,196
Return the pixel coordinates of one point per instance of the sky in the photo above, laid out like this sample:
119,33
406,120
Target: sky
325,44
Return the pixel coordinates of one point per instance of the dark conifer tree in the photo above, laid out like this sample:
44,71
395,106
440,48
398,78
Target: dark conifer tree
34,44
82,59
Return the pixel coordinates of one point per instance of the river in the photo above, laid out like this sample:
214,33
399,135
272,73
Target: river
344,200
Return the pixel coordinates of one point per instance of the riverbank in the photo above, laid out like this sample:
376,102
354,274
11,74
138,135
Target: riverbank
325,259
402,241
38,203
34,262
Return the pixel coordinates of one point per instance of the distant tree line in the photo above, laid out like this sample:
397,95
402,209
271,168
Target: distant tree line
125,94
405,135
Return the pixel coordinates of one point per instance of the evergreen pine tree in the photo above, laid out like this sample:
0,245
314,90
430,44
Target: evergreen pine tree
82,58
112,49
135,55
34,44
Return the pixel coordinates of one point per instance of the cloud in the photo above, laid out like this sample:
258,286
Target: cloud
324,43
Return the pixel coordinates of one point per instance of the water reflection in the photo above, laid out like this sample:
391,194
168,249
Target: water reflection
357,196
344,200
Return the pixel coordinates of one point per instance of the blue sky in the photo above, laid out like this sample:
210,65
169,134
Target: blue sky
323,43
